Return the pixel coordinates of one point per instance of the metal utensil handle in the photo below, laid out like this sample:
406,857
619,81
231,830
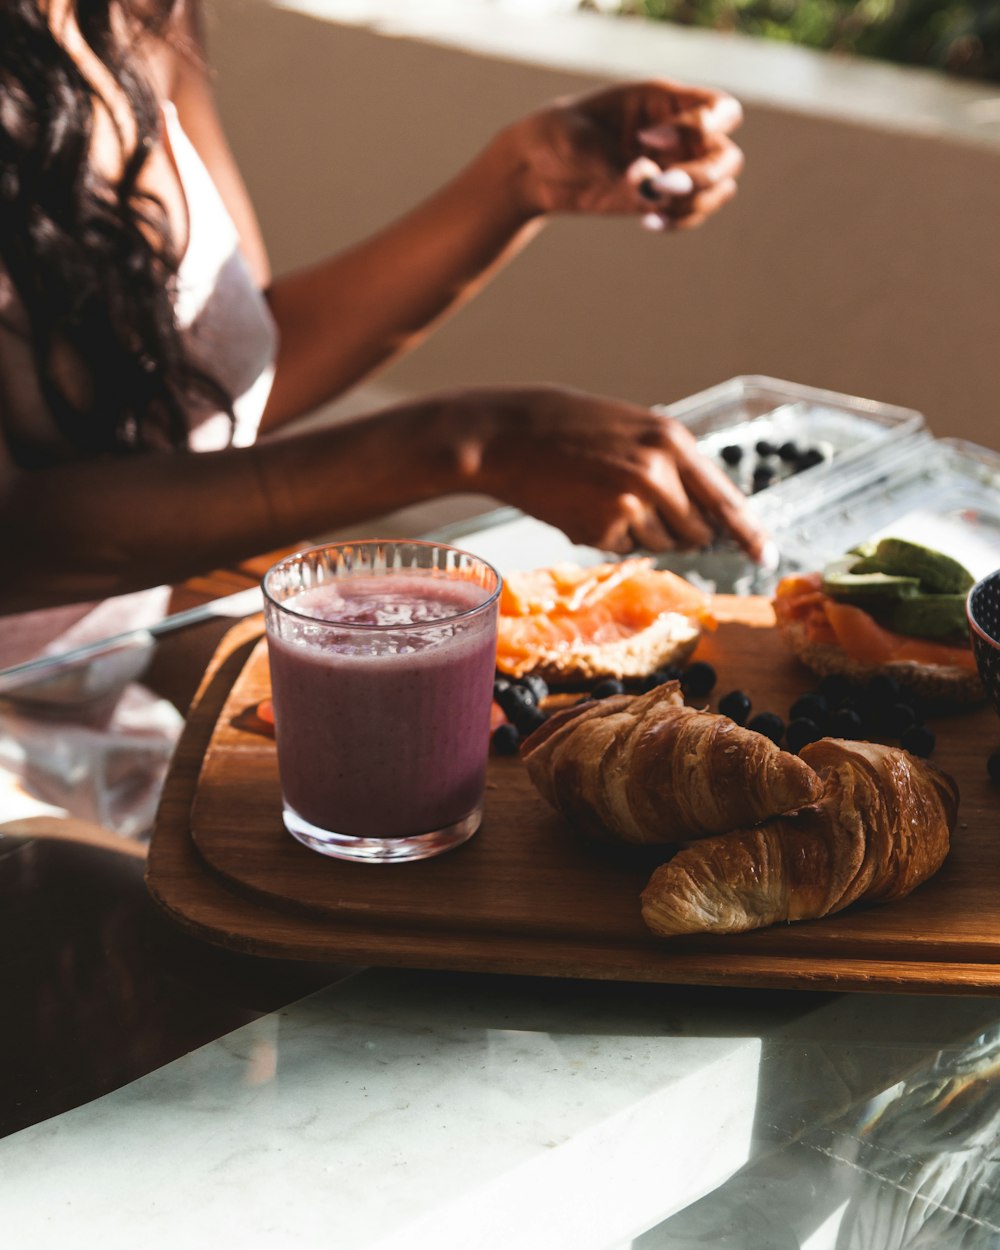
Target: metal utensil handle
243,603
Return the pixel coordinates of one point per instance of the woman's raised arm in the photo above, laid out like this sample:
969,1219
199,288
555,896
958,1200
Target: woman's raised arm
656,150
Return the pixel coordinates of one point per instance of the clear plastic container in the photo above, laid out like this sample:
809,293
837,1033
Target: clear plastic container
738,416
942,493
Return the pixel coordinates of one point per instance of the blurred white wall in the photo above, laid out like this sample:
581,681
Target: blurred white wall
860,255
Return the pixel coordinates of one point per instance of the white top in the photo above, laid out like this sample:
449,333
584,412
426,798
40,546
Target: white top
223,316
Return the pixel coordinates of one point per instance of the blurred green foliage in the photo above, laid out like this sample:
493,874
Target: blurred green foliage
962,36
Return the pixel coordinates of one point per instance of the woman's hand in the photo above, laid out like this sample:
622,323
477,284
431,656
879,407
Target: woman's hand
608,474
654,148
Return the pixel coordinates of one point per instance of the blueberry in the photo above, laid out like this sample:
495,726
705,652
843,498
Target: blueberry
875,716
608,687
918,740
736,705
849,704
835,688
506,739
883,688
898,718
763,475
993,767
801,732
770,725
905,715
500,685
660,677
811,706
698,679
809,459
514,699
760,482
922,708
527,719
789,452
537,685
732,454
844,723
764,448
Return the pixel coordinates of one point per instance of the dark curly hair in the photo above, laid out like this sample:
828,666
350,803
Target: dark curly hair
91,260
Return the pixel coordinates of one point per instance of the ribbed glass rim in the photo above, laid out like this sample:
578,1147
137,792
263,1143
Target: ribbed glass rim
300,556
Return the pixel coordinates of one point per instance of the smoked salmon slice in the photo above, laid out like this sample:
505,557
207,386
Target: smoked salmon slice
855,631
617,619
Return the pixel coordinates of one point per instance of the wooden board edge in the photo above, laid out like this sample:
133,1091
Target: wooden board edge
174,808
321,941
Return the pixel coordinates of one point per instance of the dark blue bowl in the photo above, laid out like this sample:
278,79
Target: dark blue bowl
982,607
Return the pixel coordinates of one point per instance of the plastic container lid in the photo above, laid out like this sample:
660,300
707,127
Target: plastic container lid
752,412
942,493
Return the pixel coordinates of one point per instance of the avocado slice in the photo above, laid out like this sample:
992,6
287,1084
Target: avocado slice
938,574
870,564
842,581
931,616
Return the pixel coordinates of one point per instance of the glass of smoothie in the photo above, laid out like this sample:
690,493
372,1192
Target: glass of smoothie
382,658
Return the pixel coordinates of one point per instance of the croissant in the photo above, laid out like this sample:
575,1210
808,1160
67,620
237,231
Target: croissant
646,769
882,827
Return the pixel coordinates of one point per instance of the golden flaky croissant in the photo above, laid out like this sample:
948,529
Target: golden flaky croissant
881,828
646,769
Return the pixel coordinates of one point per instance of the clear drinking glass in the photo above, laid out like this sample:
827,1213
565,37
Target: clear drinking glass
382,658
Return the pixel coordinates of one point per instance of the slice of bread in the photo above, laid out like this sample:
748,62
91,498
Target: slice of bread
668,640
936,682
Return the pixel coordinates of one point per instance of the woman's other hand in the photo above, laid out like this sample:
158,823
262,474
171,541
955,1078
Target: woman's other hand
609,474
655,148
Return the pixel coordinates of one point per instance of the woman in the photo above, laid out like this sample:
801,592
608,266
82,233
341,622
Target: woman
147,356
116,368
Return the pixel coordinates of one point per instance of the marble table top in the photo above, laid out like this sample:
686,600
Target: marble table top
402,1111
409,1110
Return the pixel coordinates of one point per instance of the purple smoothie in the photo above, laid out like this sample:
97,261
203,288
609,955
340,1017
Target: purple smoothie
384,732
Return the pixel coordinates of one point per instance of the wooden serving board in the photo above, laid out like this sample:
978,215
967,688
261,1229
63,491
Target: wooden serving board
524,896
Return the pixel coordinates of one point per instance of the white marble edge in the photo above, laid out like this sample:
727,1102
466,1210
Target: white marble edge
391,1111
555,34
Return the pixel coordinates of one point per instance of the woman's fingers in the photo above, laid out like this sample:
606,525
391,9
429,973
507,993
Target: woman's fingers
657,516
663,138
723,162
678,510
688,191
677,498
702,206
716,496
617,538
637,524
719,116
692,214
650,147
645,525
690,497
700,109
